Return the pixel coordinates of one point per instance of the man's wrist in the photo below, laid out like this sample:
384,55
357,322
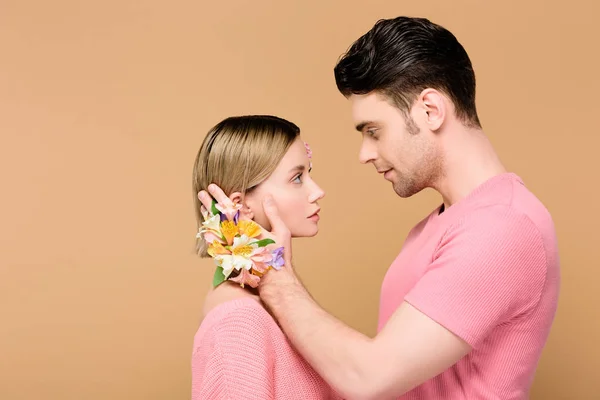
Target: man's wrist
279,288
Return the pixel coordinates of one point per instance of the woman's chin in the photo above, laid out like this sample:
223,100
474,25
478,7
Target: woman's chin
307,232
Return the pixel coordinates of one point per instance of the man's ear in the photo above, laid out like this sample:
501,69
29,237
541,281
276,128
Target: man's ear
433,108
245,212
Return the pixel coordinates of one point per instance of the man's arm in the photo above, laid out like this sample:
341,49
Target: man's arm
479,277
411,348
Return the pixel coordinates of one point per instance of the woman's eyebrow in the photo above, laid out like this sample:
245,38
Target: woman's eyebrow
298,168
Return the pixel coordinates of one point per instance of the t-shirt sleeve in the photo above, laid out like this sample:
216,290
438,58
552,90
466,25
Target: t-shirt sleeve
236,360
488,268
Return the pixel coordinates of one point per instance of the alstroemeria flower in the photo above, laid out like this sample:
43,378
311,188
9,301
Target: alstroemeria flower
249,228
217,248
212,224
240,255
229,210
261,259
278,260
233,243
308,153
246,278
211,236
210,230
229,230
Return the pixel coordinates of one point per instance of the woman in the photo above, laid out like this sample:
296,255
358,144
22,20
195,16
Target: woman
239,350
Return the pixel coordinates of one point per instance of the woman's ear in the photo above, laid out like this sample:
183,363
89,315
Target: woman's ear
245,212
236,197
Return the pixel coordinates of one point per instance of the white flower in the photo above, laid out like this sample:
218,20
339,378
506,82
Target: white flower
241,251
213,223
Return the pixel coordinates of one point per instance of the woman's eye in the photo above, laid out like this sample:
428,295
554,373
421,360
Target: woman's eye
297,179
371,132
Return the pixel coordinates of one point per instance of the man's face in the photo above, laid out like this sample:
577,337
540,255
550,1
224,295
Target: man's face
405,153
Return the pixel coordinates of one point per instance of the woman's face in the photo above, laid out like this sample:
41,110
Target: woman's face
294,192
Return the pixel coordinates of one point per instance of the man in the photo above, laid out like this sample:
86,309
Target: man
467,305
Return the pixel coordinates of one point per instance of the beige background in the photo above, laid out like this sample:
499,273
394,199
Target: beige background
104,104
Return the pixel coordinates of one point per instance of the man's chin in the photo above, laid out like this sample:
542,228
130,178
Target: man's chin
404,191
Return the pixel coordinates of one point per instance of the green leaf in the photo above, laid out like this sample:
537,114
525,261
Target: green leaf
264,242
218,278
213,208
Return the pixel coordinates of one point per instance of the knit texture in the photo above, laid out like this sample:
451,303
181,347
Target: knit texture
241,353
487,269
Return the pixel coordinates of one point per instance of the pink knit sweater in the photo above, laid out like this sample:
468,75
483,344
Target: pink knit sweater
241,353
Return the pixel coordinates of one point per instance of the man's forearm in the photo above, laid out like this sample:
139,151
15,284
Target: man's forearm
341,355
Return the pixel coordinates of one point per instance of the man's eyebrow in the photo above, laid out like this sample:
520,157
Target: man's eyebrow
362,125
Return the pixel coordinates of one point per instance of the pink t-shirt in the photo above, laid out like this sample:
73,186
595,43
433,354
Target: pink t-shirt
487,269
241,353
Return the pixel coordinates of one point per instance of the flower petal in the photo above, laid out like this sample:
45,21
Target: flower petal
246,278
216,248
249,228
229,230
211,224
211,237
260,268
225,262
241,262
278,260
229,210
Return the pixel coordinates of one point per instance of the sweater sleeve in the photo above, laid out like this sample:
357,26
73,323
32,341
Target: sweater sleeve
235,359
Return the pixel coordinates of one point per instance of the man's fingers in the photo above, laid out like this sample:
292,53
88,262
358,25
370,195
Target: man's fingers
205,199
214,192
218,194
272,213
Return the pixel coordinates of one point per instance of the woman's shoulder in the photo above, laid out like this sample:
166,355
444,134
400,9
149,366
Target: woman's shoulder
237,312
239,317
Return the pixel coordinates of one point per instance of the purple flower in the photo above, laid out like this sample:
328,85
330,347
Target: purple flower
236,217
277,262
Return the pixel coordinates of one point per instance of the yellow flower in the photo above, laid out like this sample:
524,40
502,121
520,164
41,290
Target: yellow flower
249,228
229,230
216,248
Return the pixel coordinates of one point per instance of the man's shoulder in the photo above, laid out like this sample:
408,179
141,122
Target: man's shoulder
504,202
515,209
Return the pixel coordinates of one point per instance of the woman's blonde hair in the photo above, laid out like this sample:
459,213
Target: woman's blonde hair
238,154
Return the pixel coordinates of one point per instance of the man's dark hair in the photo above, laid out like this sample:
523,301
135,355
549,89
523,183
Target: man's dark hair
400,57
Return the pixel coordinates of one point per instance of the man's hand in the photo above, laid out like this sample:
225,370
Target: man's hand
280,232
276,282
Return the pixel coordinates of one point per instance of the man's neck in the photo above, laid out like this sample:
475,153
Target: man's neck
470,160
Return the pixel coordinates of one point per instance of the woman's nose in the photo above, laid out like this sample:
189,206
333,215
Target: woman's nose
316,194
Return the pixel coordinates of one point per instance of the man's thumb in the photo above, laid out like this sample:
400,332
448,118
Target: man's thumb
272,213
